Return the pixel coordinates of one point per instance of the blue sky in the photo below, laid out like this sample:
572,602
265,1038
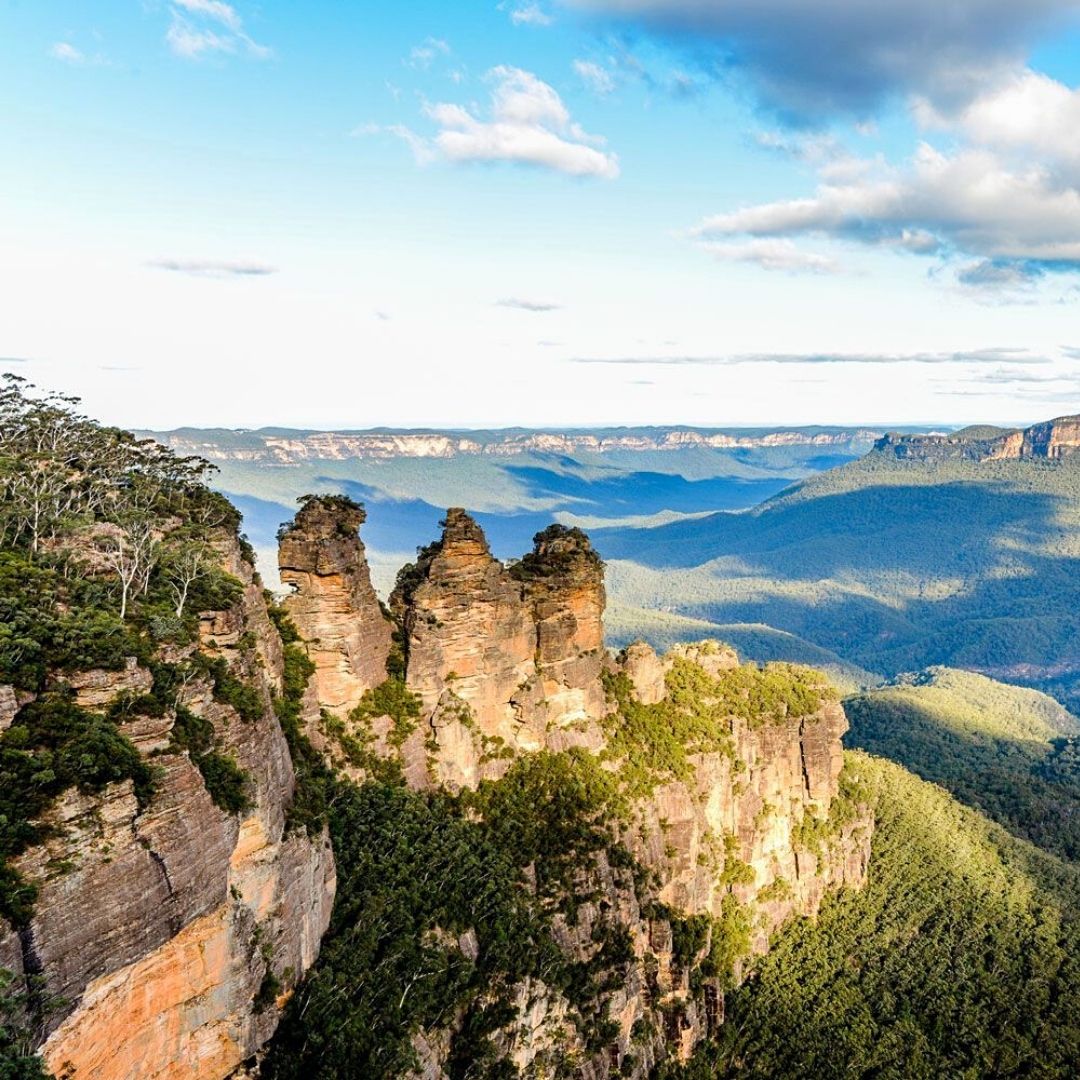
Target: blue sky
560,213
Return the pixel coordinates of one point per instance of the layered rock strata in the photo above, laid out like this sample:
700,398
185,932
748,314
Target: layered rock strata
1052,441
334,605
159,930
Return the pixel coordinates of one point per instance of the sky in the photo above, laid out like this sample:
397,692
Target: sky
552,213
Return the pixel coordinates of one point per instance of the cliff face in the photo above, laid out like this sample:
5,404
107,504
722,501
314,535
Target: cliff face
739,826
335,606
285,448
1052,441
160,928
503,661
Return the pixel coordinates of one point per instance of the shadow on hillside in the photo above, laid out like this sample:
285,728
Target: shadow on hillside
890,577
1012,781
640,494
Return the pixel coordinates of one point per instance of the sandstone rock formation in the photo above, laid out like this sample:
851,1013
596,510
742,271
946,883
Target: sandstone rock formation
506,660
503,660
334,605
1051,441
159,927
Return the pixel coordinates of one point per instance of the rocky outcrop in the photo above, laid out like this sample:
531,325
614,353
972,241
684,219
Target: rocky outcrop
503,660
334,605
1051,441
563,581
158,927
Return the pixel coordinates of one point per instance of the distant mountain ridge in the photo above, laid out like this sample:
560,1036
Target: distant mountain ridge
1051,440
282,446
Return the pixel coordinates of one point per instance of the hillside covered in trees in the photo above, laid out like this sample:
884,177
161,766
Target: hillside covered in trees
890,564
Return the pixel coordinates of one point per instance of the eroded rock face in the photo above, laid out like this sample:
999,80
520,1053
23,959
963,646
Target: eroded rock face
563,582
156,925
507,660
503,660
1053,440
646,672
334,605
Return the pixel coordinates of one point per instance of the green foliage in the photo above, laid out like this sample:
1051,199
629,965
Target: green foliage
653,743
393,699
416,871
226,782
50,622
958,959
558,548
998,748
233,691
54,745
315,784
553,812
17,1032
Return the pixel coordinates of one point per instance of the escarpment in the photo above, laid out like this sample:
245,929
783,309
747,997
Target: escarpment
1054,440
176,911
665,814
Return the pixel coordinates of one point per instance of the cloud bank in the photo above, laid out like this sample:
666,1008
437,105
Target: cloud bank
809,60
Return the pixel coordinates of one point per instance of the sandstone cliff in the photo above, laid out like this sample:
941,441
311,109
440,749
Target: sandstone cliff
291,448
166,934
1051,441
728,781
334,605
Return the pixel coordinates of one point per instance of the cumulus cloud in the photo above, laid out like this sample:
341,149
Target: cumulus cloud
809,60
976,356
527,305
213,268
1017,220
596,77
201,27
528,124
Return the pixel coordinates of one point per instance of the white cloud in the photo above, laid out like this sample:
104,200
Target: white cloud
528,125
769,254
1005,195
1027,115
200,27
530,14
594,76
424,55
68,53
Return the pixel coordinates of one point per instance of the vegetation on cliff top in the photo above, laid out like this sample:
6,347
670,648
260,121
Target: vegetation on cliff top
654,743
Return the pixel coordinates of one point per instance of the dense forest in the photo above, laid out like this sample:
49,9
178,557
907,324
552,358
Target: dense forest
959,959
889,565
